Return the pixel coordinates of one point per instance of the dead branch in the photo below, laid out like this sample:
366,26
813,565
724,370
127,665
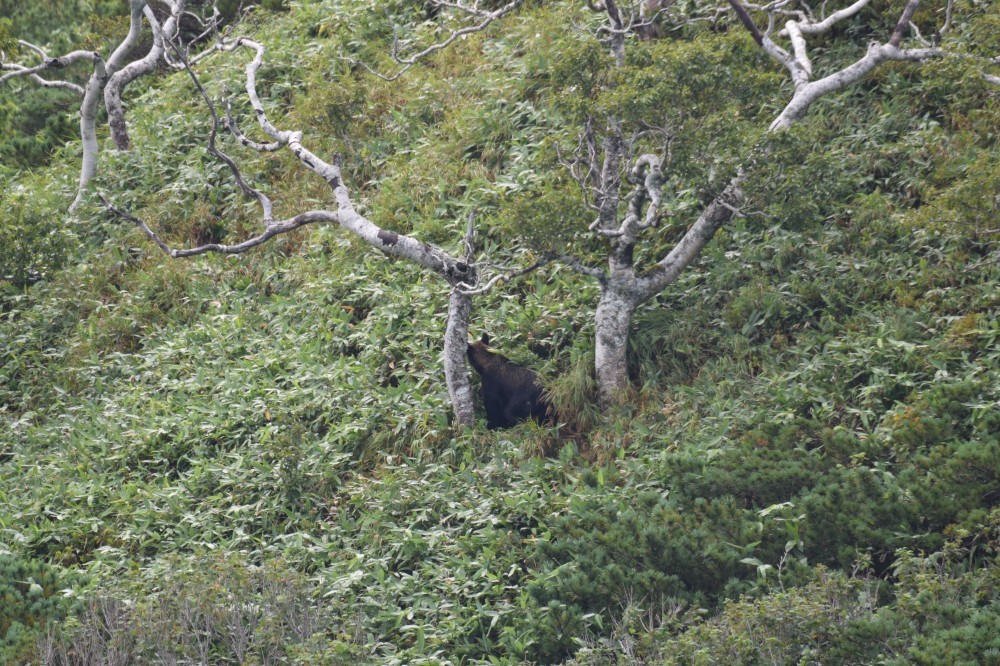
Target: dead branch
272,230
453,34
262,199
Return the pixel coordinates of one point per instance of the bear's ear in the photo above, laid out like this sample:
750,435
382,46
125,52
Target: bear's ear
485,339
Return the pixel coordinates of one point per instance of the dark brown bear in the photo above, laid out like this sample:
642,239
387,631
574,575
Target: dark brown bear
512,392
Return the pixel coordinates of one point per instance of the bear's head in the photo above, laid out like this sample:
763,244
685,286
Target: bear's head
479,351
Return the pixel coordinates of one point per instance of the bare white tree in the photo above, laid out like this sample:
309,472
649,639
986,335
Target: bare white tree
605,166
460,272
111,77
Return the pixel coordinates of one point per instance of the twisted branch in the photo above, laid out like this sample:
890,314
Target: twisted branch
454,34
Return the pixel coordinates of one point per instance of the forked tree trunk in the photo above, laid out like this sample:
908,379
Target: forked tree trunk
623,288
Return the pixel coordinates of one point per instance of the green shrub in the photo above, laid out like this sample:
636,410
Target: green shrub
33,597
940,608
616,545
216,610
787,627
33,246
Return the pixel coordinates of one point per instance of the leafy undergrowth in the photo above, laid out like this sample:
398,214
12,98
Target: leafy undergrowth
250,460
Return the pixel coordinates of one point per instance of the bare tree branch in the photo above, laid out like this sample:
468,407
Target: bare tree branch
15,70
233,127
810,27
648,187
916,33
947,17
747,22
409,61
904,21
470,238
580,267
272,230
472,290
262,199
718,213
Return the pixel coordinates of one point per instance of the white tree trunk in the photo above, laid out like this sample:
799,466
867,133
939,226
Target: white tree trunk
456,370
88,128
93,94
612,322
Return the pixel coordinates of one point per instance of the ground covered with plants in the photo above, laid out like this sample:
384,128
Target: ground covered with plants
250,460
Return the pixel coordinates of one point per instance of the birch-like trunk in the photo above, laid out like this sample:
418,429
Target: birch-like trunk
456,369
93,94
88,128
624,291
146,65
612,322
108,79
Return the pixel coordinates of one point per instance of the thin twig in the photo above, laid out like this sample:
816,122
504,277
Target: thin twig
469,290
265,202
410,61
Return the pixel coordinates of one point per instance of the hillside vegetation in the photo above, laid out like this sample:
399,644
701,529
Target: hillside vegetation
250,459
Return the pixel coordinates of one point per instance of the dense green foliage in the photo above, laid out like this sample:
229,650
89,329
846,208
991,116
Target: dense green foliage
251,459
32,595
